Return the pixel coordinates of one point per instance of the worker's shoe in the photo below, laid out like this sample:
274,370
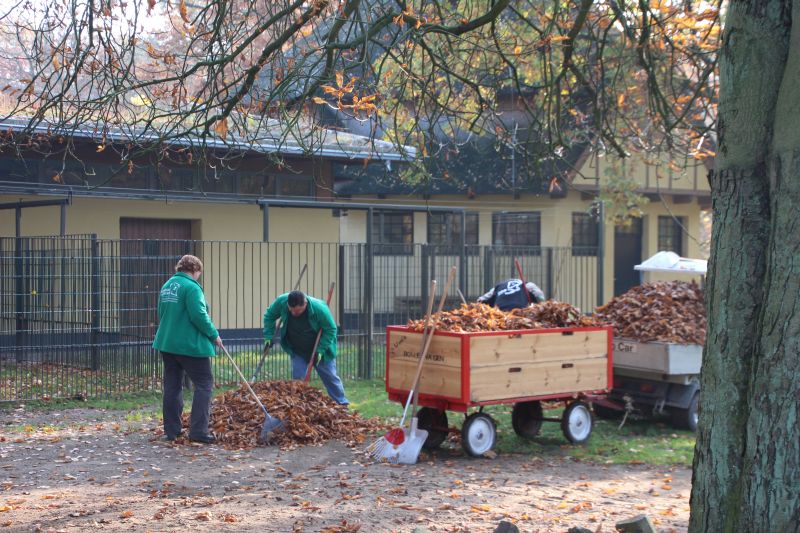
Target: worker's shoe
205,439
171,438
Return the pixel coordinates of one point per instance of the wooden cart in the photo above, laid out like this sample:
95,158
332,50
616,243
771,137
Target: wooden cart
520,367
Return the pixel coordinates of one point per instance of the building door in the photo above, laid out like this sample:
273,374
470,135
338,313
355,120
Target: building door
149,249
627,254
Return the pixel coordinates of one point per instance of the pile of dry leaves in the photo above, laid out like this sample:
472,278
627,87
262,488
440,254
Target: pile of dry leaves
309,415
481,317
665,311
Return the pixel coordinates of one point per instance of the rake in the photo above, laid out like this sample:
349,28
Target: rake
522,279
313,359
277,329
271,424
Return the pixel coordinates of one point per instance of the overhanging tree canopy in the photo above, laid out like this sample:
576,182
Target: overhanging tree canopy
429,74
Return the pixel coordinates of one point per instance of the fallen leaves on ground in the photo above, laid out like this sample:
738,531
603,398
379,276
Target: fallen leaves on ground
309,415
482,317
664,311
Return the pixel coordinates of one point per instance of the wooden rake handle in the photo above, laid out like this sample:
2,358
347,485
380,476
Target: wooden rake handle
265,352
428,317
319,336
427,340
522,279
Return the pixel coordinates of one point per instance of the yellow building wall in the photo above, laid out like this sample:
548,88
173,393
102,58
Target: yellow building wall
242,275
650,173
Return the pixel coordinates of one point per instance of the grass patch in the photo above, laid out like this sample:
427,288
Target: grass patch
134,401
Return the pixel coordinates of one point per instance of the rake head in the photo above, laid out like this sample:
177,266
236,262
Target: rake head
399,445
271,426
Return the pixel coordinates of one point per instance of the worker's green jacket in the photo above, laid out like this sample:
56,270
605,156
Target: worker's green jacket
184,325
319,318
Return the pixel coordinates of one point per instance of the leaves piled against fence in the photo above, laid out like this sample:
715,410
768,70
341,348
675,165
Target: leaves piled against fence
481,317
309,415
664,311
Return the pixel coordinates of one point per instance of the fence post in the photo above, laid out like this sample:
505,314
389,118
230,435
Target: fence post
19,300
488,269
424,276
369,260
549,267
95,303
462,258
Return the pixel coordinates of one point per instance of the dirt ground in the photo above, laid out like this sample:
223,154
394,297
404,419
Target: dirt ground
84,470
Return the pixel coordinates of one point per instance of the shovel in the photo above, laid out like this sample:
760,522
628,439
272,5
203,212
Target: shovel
406,451
388,446
271,424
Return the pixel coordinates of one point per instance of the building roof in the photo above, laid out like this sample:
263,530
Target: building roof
266,136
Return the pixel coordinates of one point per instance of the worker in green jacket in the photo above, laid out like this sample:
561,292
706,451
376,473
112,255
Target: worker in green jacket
303,318
186,338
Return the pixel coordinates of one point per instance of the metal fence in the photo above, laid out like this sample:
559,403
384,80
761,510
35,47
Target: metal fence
78,314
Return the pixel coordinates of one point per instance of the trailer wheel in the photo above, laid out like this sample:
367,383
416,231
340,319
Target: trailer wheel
478,434
434,421
576,424
687,418
526,419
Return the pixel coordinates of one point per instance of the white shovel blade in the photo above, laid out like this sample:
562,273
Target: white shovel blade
408,452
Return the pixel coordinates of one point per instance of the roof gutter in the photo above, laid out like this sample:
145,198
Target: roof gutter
404,155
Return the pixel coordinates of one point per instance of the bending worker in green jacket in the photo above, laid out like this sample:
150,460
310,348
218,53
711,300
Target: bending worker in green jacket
186,338
303,317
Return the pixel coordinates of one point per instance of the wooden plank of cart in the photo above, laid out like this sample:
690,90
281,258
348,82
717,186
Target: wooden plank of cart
470,370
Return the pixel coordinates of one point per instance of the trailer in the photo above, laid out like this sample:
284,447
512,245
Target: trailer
466,371
654,377
657,377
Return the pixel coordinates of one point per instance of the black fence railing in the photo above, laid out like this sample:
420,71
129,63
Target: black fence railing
78,314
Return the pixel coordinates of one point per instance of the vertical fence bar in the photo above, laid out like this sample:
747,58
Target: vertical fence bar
94,288
369,285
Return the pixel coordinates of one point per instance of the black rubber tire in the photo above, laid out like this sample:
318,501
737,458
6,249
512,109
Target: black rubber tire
686,418
478,434
434,421
526,419
576,423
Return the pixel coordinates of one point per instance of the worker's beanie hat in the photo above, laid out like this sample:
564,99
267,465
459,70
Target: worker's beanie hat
296,298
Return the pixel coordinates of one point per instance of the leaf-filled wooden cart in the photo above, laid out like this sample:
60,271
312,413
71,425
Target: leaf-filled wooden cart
470,370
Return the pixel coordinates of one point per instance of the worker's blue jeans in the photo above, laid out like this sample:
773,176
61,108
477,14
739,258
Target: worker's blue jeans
326,371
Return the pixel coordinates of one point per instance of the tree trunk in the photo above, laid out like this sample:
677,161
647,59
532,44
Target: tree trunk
747,458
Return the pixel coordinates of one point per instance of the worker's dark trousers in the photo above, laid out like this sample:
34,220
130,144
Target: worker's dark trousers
199,371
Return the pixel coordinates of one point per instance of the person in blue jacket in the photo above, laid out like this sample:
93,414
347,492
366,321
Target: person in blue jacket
508,295
303,318
187,340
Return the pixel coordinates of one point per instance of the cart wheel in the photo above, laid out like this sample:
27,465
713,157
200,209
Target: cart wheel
526,418
687,418
478,434
434,421
577,422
